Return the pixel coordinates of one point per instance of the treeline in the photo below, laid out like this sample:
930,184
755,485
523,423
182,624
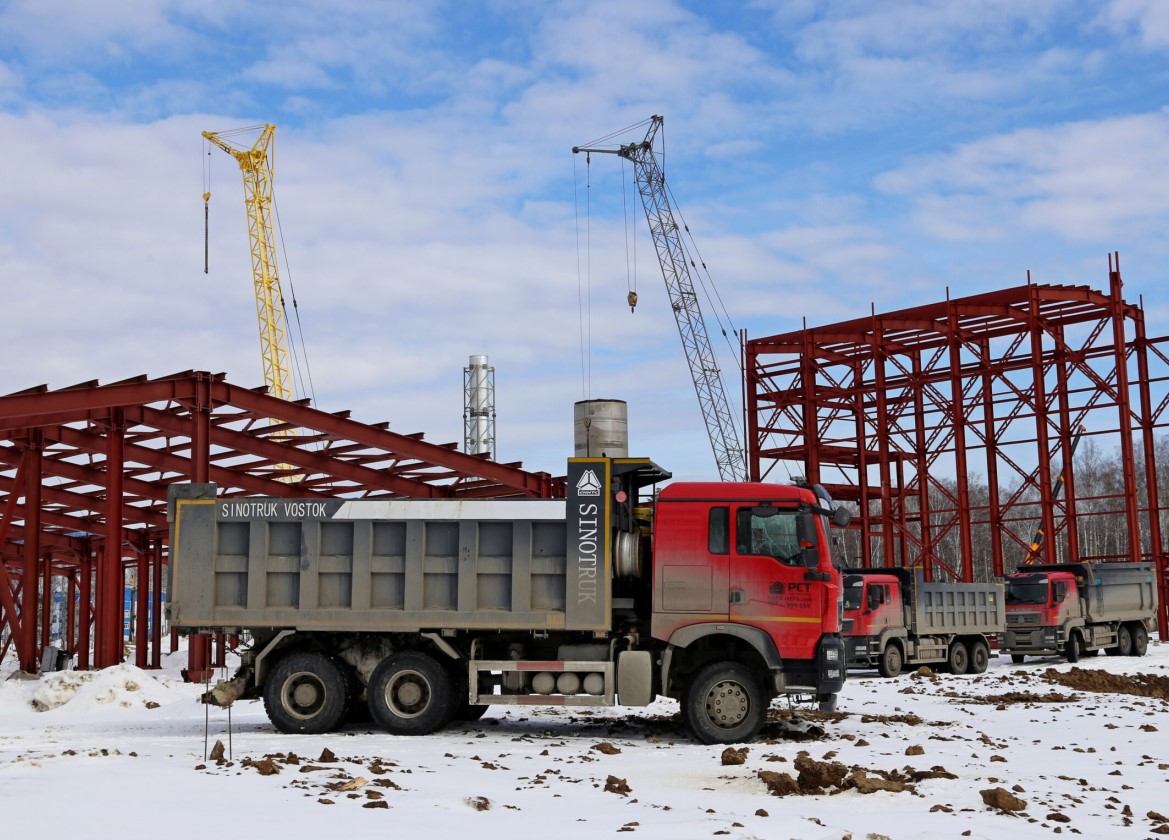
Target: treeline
1101,523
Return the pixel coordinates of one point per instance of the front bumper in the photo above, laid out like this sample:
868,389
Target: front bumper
1034,640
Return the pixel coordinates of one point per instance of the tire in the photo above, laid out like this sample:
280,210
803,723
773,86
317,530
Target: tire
1140,640
1017,658
979,653
826,702
958,660
1123,642
410,694
306,693
891,661
724,704
1072,648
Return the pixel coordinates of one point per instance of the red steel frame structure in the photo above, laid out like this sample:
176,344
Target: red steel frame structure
907,413
86,468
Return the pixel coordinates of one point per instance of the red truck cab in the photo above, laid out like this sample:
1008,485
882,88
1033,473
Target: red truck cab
749,566
871,604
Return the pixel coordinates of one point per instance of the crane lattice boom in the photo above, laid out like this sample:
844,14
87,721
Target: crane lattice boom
256,165
704,369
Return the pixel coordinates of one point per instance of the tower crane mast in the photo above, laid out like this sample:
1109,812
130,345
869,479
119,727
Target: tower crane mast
255,164
675,263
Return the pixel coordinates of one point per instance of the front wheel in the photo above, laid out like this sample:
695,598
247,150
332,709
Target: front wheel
958,660
306,693
410,694
889,665
1017,658
1071,649
826,702
979,652
724,704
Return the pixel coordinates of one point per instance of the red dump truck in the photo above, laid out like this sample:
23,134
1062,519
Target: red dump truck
894,618
1073,609
720,595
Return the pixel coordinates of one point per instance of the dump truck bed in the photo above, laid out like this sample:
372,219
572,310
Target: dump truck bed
382,566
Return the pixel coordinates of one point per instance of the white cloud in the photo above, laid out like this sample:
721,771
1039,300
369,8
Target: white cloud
1150,19
1090,180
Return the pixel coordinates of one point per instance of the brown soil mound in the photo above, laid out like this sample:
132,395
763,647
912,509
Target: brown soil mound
1140,685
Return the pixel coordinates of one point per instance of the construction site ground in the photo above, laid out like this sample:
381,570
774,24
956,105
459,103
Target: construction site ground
1032,750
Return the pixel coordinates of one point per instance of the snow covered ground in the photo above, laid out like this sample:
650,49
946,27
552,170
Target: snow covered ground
120,753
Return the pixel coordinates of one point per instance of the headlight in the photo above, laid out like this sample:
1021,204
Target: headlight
832,655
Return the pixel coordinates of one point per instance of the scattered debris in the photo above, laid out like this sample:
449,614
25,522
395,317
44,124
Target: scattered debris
732,756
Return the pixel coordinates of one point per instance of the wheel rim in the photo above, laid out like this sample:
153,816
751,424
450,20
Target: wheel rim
408,694
303,695
727,704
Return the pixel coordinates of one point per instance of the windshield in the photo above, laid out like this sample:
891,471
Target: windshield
774,535
1027,593
852,596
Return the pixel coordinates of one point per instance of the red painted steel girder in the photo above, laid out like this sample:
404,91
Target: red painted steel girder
912,414
91,451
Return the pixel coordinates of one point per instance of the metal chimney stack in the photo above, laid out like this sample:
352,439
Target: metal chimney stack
479,407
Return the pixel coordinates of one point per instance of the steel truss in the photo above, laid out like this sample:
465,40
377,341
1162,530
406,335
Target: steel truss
947,425
87,467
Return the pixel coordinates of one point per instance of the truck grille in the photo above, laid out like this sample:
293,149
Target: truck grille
1022,619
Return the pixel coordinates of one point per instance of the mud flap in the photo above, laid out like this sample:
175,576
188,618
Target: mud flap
635,678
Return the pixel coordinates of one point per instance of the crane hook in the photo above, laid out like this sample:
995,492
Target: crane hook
631,299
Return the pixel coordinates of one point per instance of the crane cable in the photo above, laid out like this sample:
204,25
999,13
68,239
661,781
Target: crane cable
207,208
630,277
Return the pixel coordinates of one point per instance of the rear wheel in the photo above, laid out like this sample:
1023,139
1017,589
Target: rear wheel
410,694
724,704
958,660
891,661
979,652
1140,640
305,693
1123,642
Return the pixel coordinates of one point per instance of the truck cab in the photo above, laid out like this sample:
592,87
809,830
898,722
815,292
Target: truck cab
746,567
871,605
1042,599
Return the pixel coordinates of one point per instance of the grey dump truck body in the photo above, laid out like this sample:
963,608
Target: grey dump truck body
895,618
380,566
1077,608
427,611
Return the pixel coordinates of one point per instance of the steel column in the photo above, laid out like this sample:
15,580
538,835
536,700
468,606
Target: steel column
26,646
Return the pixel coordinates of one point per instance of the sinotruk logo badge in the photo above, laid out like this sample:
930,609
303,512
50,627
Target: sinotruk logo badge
589,484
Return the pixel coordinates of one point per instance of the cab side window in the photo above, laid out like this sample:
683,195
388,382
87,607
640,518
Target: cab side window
719,539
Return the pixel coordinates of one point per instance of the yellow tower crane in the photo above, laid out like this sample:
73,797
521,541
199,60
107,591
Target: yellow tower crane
256,165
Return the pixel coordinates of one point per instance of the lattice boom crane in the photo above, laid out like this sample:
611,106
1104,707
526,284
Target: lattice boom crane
256,165
704,369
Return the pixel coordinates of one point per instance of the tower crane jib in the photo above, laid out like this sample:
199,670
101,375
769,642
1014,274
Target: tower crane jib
704,369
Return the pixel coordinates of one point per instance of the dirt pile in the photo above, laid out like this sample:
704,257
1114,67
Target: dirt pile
820,777
1139,685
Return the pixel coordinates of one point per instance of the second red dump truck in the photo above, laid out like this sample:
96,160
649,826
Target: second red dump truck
1075,609
893,618
720,595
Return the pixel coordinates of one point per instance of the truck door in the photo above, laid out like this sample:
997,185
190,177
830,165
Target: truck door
768,583
883,601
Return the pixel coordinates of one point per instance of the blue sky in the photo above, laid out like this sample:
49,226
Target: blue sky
829,157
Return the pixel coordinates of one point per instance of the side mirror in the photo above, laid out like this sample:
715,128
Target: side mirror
806,530
841,517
